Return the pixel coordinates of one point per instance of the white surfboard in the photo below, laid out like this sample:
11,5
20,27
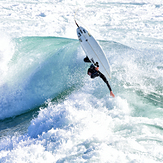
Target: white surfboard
94,51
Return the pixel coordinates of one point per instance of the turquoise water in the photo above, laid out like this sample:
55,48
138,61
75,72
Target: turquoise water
39,69
51,111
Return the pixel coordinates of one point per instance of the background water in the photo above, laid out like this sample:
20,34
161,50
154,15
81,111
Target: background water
51,111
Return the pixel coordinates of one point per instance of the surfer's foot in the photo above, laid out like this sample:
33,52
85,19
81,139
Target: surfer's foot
86,59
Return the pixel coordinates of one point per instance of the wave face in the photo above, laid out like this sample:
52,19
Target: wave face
40,68
50,109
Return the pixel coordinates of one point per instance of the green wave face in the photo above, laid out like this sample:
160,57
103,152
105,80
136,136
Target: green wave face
41,68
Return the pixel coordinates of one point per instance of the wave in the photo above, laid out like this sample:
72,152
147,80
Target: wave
41,68
86,121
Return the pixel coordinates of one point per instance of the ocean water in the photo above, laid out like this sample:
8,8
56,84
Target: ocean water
51,111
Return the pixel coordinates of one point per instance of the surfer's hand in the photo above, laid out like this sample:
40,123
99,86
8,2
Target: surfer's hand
111,94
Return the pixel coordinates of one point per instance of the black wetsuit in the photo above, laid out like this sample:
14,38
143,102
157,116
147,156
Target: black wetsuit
95,73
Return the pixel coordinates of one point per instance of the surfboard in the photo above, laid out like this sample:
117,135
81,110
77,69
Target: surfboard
93,51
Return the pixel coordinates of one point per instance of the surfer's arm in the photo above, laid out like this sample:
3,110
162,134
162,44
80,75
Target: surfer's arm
107,83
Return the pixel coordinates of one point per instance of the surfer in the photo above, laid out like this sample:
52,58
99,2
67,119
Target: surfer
93,72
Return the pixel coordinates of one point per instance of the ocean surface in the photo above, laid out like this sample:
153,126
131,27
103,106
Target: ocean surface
51,111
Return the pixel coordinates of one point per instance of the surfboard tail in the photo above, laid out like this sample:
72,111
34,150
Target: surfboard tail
76,24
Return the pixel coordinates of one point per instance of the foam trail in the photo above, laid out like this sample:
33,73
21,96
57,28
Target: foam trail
85,128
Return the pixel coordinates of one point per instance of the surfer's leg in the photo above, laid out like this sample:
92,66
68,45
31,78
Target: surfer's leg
86,59
105,80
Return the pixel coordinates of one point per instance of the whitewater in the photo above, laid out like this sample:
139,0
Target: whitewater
50,109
